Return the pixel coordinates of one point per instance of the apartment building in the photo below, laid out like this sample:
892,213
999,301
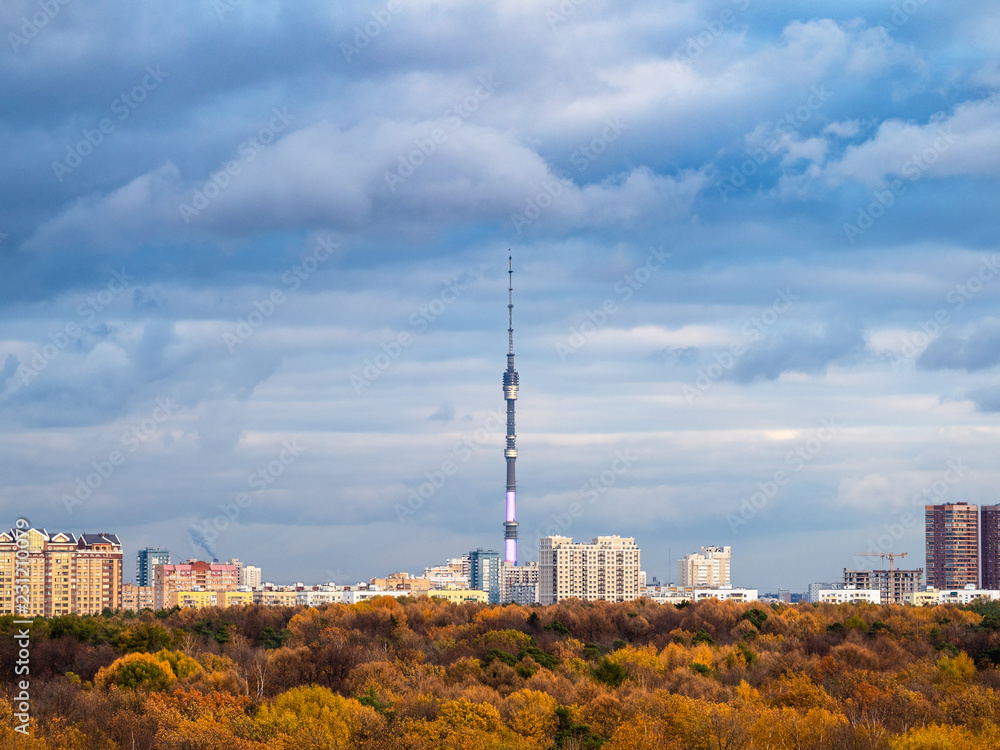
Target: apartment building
951,534
709,569
605,569
192,575
896,586
64,573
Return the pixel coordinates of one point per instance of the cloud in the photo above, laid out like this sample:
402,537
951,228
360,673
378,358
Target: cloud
972,348
798,352
444,413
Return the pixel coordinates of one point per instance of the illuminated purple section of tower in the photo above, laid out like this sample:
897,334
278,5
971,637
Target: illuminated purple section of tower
510,383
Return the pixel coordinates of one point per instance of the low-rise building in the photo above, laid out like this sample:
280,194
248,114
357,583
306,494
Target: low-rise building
358,595
321,595
276,597
849,595
966,595
195,598
460,596
674,594
239,598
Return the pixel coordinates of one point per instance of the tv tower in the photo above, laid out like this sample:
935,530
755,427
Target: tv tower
510,452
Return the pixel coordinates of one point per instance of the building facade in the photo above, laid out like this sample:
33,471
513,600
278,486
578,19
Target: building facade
64,573
137,598
951,534
145,562
460,596
709,569
850,596
484,572
250,576
518,583
192,575
606,569
895,587
989,535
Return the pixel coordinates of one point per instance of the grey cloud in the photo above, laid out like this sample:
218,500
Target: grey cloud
976,347
797,351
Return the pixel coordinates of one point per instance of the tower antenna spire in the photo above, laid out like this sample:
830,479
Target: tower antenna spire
510,385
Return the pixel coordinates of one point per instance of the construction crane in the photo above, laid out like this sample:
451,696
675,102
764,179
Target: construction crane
891,555
889,588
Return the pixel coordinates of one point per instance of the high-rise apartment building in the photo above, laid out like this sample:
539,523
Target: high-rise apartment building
64,573
710,569
989,525
484,573
895,587
145,561
250,576
606,569
192,575
951,534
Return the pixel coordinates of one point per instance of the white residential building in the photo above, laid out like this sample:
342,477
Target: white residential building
606,569
848,595
354,596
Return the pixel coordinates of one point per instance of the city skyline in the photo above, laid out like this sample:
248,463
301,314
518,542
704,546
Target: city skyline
252,289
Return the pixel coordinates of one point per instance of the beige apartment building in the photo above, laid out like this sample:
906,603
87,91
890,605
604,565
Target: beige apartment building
64,573
710,569
605,569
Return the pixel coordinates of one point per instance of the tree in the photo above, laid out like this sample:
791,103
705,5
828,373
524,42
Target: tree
137,671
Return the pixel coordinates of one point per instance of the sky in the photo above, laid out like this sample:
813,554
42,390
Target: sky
253,292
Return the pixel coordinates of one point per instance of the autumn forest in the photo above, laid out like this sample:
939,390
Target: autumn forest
415,673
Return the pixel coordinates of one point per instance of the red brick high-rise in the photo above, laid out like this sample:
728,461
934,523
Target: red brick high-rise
989,526
951,534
